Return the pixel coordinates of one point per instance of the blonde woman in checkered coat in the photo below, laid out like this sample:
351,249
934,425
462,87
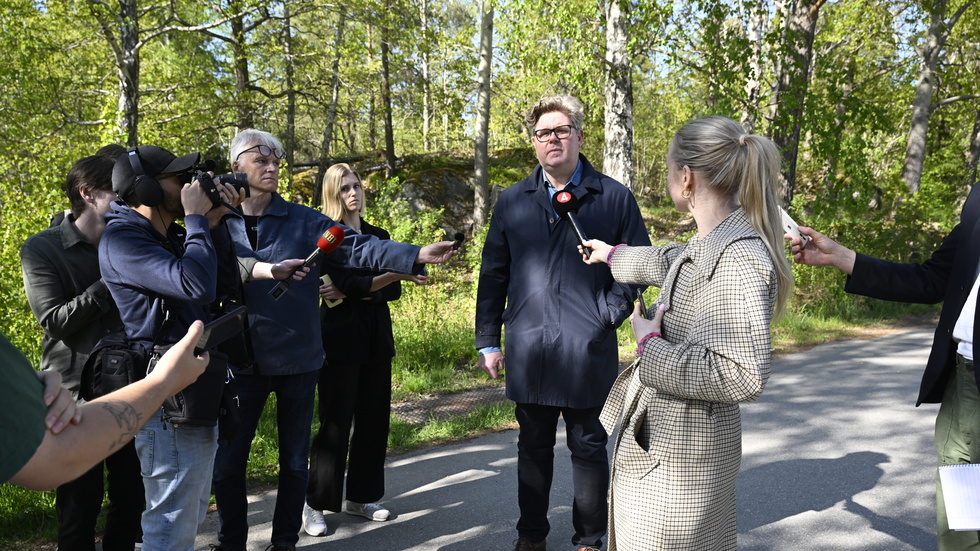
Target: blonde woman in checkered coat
706,349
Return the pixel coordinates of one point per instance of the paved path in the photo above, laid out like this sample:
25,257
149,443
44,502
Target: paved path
835,457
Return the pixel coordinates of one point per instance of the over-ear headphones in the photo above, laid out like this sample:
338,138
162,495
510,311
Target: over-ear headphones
147,189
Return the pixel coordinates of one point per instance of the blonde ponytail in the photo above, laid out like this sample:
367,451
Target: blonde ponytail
746,167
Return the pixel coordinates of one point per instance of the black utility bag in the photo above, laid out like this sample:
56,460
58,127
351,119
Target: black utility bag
214,395
113,364
199,404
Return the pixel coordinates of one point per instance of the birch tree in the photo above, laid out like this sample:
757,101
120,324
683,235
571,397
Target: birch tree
930,51
481,158
618,141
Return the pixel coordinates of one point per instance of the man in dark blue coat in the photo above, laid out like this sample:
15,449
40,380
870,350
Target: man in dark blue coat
561,316
950,276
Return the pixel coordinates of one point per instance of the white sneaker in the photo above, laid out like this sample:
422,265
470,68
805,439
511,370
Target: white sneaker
313,522
372,511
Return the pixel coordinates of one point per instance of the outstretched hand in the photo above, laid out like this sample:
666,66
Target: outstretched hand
436,253
293,267
821,250
600,251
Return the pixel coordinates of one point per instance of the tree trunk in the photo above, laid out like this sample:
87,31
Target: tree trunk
922,106
973,158
445,106
331,109
758,21
125,49
481,157
426,85
129,72
618,150
386,95
290,144
792,82
243,103
372,105
840,126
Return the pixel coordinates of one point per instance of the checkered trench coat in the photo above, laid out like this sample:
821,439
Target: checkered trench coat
678,451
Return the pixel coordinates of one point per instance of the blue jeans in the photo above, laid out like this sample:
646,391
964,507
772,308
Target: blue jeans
586,439
176,463
294,415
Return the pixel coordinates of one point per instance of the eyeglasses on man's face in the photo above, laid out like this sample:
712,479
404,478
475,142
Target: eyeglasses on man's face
264,151
560,132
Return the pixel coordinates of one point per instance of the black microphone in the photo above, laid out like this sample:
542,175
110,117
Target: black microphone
327,243
566,205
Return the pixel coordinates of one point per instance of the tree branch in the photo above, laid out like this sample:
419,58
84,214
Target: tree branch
953,99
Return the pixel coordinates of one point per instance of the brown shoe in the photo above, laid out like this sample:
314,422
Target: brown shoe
523,544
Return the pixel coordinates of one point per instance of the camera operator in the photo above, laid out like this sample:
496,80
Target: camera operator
285,335
162,277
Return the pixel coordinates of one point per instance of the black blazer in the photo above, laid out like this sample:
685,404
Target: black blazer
947,276
359,330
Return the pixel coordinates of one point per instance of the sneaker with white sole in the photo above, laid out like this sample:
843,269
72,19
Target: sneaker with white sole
372,511
313,523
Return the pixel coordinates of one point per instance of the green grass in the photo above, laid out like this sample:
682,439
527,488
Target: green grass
404,437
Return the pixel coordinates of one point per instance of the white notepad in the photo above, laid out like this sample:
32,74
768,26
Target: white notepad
961,494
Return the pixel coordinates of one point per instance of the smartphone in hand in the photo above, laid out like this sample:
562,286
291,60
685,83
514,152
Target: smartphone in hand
325,279
792,228
221,329
643,305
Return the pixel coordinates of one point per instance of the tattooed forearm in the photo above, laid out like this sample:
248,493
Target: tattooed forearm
127,419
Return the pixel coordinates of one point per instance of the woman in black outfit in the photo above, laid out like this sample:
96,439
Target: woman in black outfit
355,382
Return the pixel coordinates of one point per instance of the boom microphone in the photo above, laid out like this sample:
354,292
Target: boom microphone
327,243
566,205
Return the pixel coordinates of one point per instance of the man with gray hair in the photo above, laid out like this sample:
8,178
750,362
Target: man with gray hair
561,317
285,336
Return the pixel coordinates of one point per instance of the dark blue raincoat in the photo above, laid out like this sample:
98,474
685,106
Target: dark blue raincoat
560,313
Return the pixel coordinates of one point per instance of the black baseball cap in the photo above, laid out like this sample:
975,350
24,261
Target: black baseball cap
152,161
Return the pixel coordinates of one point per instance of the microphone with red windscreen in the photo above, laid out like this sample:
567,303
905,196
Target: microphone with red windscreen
566,206
327,243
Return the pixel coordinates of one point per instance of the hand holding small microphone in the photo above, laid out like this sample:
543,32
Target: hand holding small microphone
329,241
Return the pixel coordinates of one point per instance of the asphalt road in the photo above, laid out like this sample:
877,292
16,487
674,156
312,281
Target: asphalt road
835,457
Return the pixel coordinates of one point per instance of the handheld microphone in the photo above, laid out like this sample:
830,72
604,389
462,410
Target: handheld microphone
327,243
566,205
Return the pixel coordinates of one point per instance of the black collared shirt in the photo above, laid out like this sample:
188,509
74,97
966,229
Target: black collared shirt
68,298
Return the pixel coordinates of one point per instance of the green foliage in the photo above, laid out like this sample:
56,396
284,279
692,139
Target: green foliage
433,324
26,515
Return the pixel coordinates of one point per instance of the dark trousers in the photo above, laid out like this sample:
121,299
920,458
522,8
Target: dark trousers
78,504
958,443
535,467
294,415
358,395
